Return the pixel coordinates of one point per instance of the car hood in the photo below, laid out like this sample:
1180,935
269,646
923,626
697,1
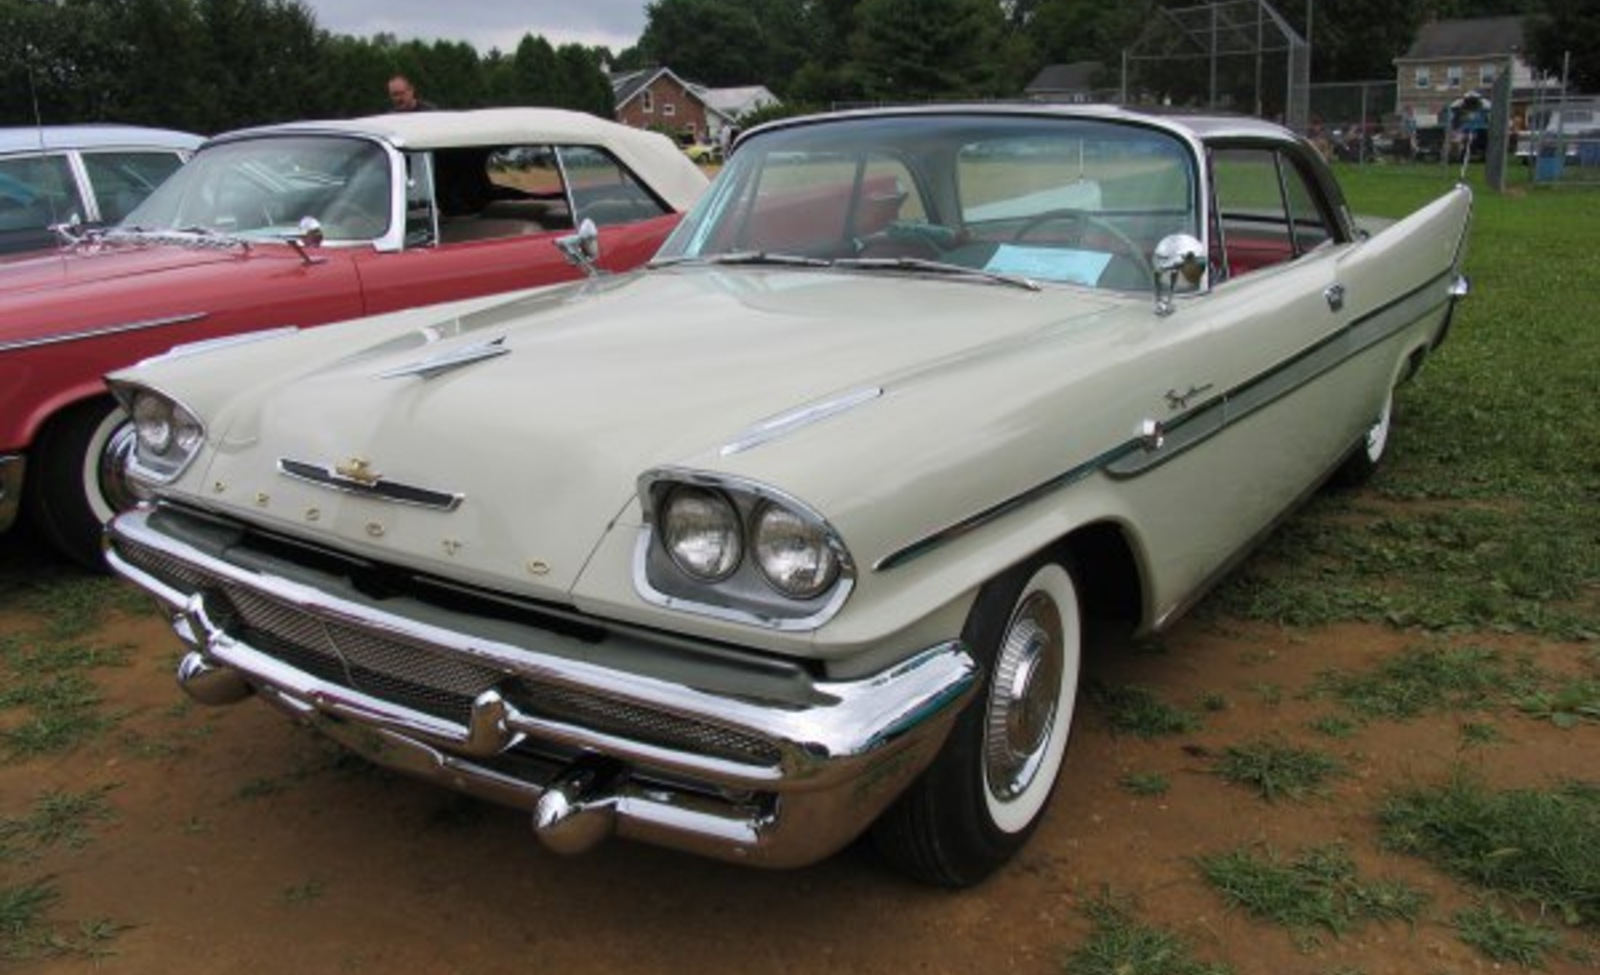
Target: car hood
539,414
66,290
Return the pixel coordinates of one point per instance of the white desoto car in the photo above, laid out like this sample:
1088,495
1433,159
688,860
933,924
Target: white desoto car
795,533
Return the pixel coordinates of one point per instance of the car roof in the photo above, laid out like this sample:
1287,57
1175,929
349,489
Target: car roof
1194,125
649,154
96,136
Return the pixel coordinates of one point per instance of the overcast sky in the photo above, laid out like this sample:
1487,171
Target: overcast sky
616,24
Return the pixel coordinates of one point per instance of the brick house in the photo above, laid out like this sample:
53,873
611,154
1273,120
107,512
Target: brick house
656,98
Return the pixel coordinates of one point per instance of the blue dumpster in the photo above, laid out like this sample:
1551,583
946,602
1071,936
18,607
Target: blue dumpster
1547,167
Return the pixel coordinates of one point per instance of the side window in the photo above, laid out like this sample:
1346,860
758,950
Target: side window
35,192
422,214
121,180
485,192
603,190
1266,212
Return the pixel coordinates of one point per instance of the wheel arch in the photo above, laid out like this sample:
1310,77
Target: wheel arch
1110,576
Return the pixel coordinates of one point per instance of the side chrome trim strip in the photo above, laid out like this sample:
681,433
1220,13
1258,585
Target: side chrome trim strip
92,333
1136,456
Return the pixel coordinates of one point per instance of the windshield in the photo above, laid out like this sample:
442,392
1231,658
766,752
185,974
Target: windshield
263,188
1051,199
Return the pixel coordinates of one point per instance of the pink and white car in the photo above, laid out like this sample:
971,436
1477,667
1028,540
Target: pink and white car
293,226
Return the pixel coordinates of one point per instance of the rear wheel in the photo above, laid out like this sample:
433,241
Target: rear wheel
77,479
1370,451
984,795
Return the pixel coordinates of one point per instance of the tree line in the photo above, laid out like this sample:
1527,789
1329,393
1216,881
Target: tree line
210,65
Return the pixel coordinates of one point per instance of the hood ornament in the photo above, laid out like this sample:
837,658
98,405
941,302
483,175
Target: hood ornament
450,361
358,469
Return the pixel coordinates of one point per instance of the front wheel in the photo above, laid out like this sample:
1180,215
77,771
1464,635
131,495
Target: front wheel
986,792
78,478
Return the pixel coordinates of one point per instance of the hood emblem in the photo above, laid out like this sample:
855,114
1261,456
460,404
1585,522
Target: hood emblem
358,469
357,476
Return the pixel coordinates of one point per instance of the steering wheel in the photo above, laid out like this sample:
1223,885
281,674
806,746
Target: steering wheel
1089,219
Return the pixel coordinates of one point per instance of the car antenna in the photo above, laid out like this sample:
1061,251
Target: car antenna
38,125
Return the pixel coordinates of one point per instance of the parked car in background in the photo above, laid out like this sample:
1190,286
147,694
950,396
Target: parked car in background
1560,128
81,175
798,532
300,225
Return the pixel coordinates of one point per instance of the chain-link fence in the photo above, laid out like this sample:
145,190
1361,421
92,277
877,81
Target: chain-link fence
1356,122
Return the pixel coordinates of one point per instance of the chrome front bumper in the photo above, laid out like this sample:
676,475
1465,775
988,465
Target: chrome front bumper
11,469
709,751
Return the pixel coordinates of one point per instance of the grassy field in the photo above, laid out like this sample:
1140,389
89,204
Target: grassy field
1479,543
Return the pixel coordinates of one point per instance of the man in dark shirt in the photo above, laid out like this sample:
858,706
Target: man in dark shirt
403,96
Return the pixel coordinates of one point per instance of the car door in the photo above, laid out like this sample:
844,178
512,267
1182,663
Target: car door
483,220
1257,395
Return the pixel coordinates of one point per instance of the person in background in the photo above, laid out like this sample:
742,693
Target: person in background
403,96
1408,126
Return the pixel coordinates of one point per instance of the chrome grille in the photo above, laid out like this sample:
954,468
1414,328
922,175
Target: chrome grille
416,676
646,724
386,668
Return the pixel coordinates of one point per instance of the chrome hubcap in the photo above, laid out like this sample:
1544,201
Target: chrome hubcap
1024,697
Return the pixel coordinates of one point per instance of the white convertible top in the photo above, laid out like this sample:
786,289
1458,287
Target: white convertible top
54,138
650,155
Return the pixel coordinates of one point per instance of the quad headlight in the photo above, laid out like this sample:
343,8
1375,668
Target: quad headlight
734,548
700,530
794,553
166,435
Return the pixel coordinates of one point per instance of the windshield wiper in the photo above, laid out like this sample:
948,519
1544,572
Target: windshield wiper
191,236
937,267
745,257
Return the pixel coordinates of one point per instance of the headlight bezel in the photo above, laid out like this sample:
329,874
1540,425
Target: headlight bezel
746,593
168,435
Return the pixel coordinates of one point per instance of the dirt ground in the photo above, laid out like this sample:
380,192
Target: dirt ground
241,843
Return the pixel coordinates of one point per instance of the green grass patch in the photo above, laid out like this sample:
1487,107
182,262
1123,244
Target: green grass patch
57,818
1133,710
1318,889
23,910
1504,938
70,603
47,678
1537,846
1145,783
1276,770
1334,726
1120,944
1565,706
1419,680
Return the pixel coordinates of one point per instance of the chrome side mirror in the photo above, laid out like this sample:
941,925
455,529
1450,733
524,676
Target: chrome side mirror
70,230
1178,255
309,235
582,249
